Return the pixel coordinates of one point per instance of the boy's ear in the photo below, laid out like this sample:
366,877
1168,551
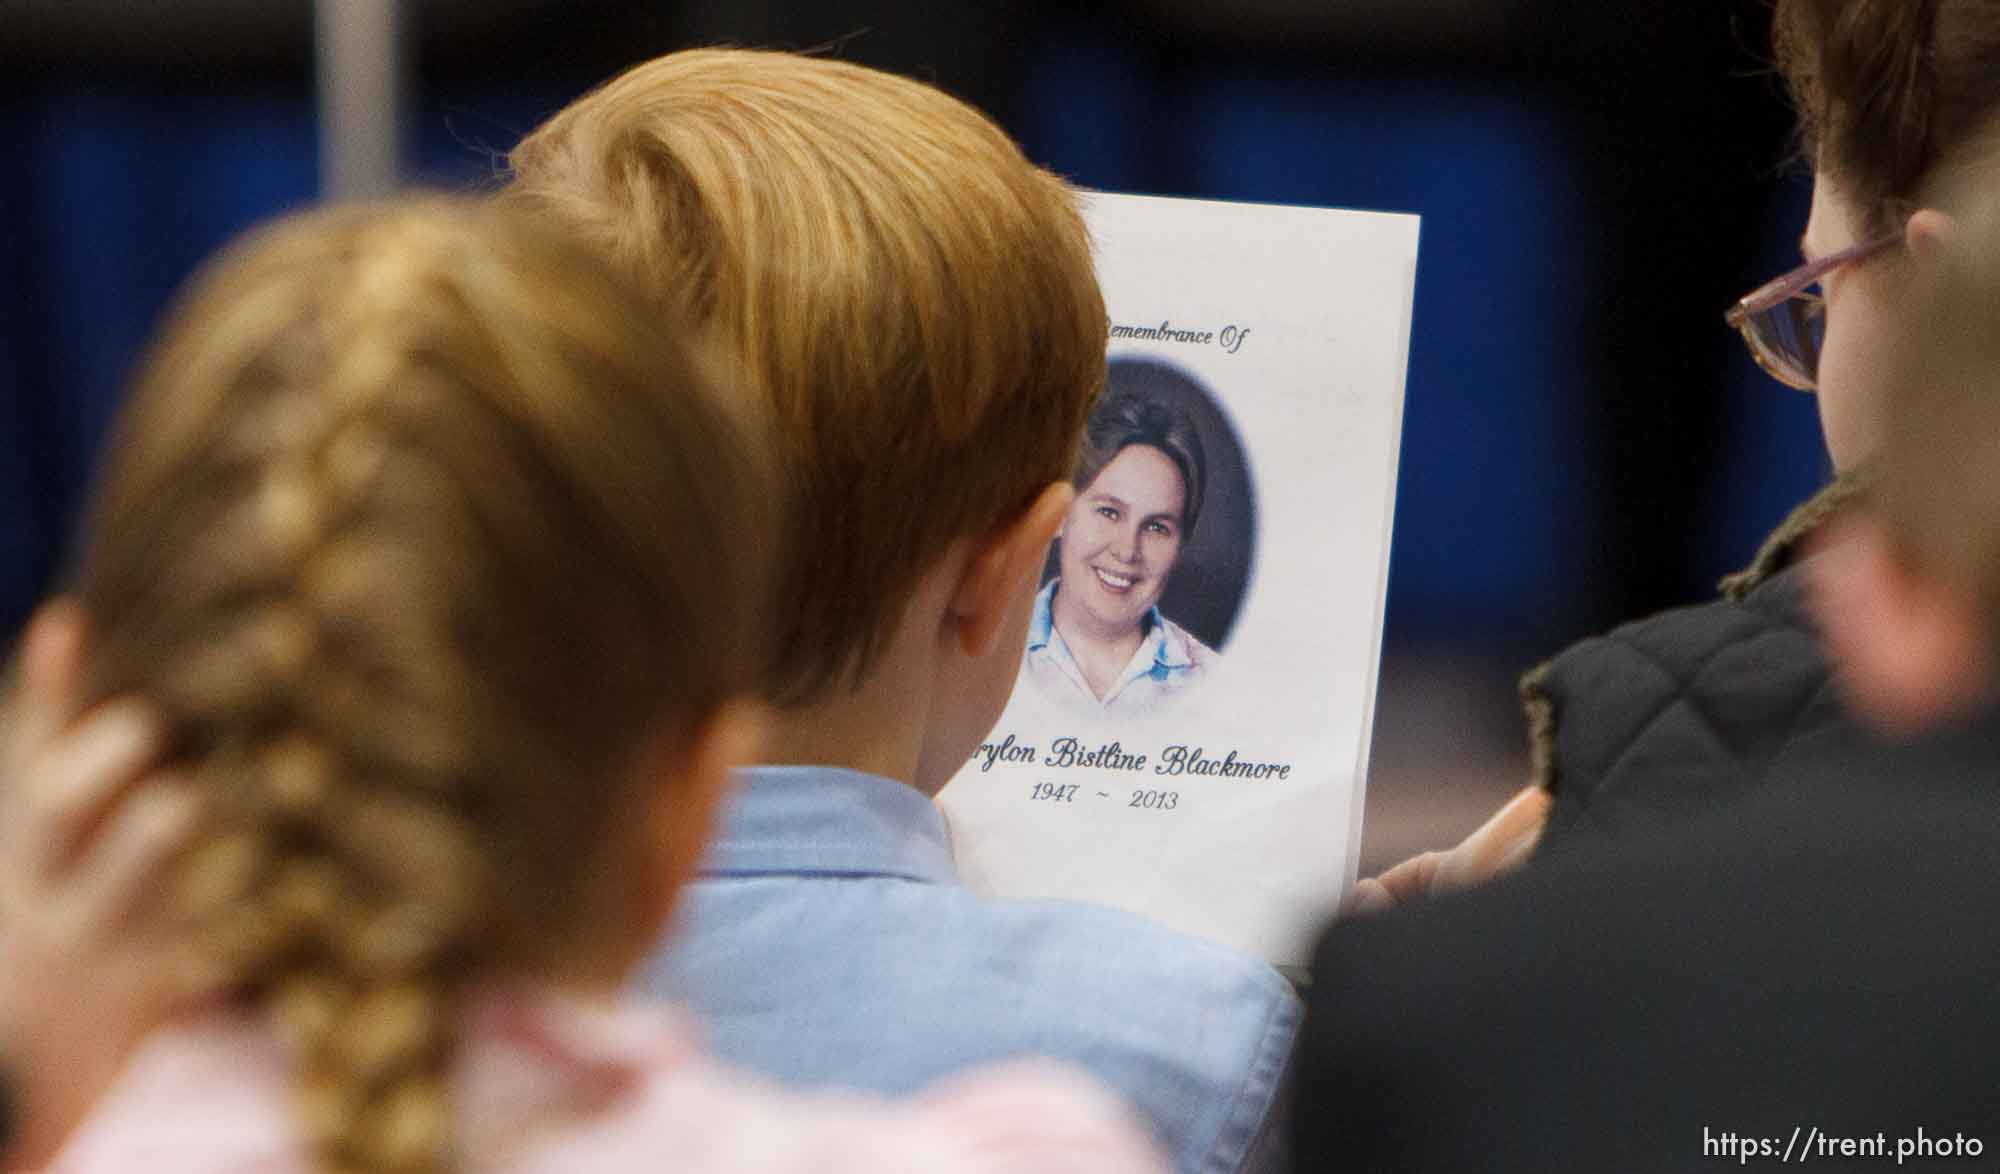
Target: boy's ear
1911,647
1001,564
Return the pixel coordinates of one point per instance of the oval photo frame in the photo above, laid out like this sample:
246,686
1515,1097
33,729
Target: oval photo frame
1211,579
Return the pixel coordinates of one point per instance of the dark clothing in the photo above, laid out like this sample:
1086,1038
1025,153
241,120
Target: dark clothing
1749,924
1659,721
1663,719
1821,955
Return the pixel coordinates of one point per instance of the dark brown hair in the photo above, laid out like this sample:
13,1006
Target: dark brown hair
1128,419
1886,89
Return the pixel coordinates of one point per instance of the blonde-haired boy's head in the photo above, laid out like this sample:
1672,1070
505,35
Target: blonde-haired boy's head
916,299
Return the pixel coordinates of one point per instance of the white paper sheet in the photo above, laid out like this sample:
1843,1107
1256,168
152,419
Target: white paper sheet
1279,337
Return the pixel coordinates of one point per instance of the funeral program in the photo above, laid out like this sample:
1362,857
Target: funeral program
1188,737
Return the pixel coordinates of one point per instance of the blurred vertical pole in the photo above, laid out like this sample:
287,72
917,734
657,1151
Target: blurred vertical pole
358,47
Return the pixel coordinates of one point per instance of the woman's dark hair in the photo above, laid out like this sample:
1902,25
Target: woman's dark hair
1125,419
1888,88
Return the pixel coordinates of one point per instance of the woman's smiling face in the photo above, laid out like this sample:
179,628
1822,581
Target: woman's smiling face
1122,538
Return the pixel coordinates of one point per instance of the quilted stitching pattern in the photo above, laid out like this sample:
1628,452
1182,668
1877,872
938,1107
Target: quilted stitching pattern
1666,717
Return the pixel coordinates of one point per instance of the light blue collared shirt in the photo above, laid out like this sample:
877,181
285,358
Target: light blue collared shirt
1169,660
829,942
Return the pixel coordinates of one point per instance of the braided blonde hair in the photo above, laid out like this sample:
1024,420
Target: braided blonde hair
420,533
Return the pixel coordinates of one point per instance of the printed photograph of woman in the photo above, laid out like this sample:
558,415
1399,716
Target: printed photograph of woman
1102,639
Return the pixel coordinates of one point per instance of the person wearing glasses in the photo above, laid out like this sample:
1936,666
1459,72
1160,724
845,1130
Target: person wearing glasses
1787,952
1663,718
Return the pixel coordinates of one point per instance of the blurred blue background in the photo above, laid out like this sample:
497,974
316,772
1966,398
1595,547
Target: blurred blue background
1584,440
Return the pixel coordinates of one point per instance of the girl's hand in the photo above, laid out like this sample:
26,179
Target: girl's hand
90,820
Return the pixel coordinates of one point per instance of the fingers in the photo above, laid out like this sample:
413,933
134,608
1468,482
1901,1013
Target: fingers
1406,882
78,779
1503,840
127,859
1524,815
1369,897
51,659
1413,879
1524,847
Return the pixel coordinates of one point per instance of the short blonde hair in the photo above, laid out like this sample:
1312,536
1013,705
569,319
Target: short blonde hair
915,298
418,529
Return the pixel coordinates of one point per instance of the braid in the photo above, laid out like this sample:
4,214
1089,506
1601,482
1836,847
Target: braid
355,881
384,895
386,534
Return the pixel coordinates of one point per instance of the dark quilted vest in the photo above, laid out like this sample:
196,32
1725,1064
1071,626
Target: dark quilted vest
1673,715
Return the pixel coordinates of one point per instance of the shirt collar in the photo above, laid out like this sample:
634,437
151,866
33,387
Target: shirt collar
824,820
1167,648
1042,624
1170,647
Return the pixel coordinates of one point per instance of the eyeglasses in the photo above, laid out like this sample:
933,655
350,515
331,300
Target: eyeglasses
1784,321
